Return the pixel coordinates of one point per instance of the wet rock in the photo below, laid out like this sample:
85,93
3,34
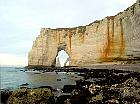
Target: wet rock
81,83
68,88
21,87
131,87
64,99
5,94
22,70
80,96
49,87
37,73
113,101
32,96
76,99
98,97
130,92
132,82
93,88
25,84
58,79
67,101
110,94
81,74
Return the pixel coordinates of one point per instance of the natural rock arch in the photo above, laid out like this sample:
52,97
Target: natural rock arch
62,46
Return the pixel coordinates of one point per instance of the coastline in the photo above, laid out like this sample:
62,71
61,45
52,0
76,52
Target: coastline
125,67
121,82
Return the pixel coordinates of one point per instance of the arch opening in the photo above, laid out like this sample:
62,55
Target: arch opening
62,59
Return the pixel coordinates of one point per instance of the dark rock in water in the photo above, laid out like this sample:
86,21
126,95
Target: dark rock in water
5,94
58,79
22,70
37,73
25,84
68,88
31,96
26,69
81,74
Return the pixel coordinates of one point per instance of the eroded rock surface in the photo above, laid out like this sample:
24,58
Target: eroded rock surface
114,39
31,96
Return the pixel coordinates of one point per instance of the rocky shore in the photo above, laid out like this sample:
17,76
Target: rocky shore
99,86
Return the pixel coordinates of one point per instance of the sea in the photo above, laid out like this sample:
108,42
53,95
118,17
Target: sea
12,78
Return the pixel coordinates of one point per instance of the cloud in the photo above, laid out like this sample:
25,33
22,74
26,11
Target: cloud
126,2
12,59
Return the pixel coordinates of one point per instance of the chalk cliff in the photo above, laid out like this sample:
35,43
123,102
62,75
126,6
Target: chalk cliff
114,39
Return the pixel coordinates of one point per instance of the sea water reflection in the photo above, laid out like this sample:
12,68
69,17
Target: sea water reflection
12,78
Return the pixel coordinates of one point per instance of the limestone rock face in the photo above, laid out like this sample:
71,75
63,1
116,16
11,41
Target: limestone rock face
58,62
114,39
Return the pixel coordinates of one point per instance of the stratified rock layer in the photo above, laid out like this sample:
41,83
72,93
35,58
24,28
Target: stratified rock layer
114,39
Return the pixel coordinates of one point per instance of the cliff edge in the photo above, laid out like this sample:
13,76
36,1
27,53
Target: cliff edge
114,39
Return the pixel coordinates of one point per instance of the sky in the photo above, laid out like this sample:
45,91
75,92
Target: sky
62,55
21,21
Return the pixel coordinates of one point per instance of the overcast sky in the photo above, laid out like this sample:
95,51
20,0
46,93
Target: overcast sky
21,21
